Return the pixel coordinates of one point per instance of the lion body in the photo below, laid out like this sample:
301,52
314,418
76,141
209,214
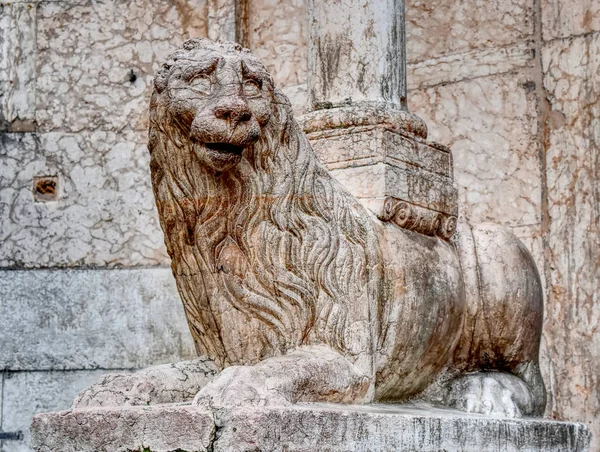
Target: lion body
270,253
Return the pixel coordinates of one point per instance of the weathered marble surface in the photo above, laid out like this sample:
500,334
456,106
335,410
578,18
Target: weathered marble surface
295,291
165,383
491,125
572,83
88,319
383,167
436,28
87,50
103,215
565,18
303,428
70,64
222,19
478,56
277,36
1,401
565,246
17,66
356,53
27,393
476,91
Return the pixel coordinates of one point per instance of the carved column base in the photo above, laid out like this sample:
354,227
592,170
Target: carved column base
382,157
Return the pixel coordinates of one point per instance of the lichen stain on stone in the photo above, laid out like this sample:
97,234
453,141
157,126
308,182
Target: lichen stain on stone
391,85
362,70
370,30
330,51
529,86
587,19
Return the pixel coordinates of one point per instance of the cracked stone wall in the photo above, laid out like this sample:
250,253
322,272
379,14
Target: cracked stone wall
512,86
85,286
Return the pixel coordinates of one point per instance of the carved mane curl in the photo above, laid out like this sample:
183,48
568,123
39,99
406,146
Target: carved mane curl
269,255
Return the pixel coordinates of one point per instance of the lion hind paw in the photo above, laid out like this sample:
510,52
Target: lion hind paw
490,393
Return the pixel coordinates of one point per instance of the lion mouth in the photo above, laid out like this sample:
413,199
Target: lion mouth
225,148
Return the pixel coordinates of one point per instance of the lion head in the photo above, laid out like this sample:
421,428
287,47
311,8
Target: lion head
268,251
217,96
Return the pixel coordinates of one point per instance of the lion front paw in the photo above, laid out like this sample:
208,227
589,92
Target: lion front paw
242,386
493,394
167,383
115,390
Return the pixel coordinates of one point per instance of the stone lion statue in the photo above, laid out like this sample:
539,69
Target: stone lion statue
294,291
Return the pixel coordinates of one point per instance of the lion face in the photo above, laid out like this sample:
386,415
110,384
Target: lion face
219,101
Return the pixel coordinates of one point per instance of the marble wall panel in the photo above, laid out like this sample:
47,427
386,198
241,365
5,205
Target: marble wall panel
490,123
17,66
96,60
104,215
90,319
572,83
440,27
563,18
467,65
28,393
222,20
277,33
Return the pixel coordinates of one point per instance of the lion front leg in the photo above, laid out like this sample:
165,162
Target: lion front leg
308,374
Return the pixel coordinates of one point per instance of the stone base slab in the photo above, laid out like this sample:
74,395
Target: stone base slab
303,427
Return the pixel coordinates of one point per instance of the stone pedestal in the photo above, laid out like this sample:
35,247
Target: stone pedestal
314,427
382,158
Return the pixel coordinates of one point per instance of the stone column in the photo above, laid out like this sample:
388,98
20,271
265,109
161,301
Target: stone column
227,20
360,126
356,53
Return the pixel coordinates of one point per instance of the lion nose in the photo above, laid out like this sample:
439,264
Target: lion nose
235,110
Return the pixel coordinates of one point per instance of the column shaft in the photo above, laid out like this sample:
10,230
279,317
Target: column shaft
356,53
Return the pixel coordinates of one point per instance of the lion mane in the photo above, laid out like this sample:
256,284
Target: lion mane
269,255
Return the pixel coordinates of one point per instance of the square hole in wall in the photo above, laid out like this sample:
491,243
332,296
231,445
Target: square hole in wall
45,188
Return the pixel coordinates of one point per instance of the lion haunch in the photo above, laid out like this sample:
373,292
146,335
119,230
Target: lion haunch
297,291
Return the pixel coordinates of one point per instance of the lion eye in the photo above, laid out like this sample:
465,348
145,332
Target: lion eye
201,84
251,88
